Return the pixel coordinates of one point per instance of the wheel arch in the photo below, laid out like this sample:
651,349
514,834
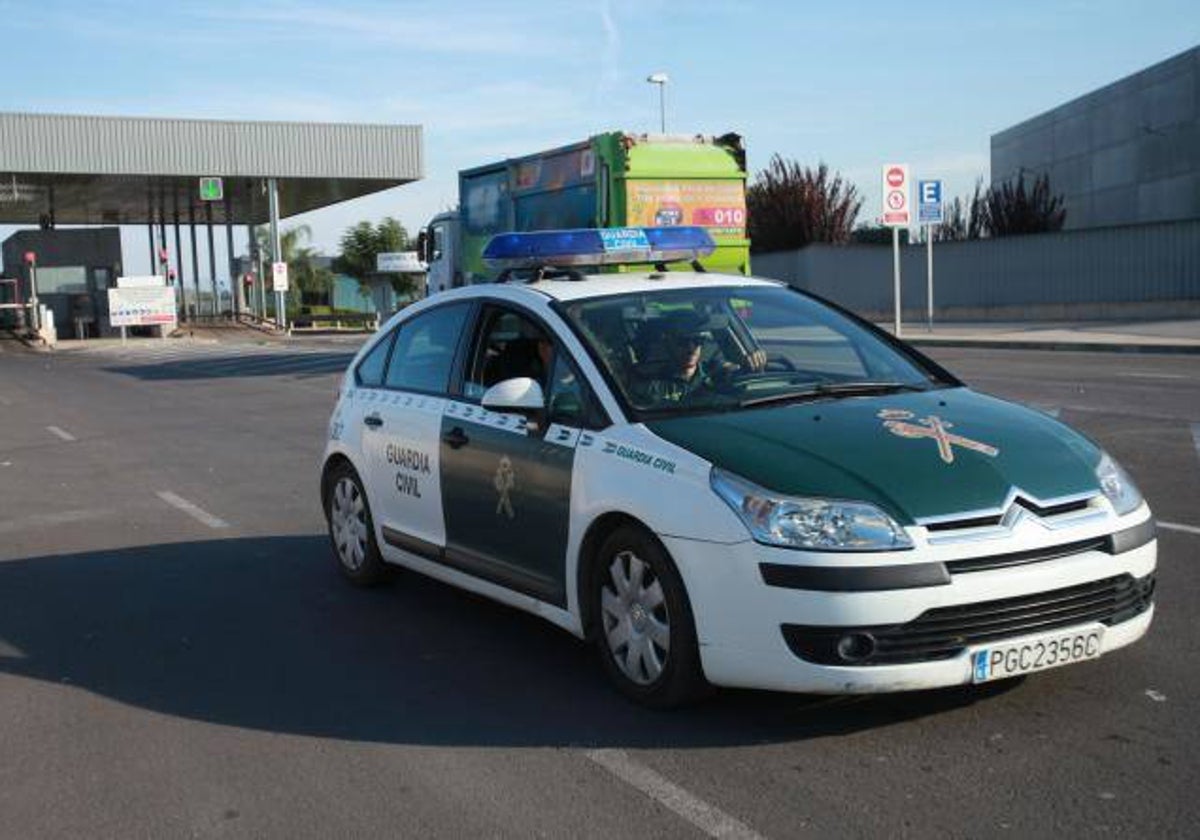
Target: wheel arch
332,462
589,546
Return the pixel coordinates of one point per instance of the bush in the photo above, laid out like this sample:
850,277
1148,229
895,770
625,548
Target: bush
790,205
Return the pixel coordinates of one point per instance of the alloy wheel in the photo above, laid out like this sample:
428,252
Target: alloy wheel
637,625
348,523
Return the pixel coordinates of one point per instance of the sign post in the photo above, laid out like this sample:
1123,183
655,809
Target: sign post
31,261
929,213
896,214
279,278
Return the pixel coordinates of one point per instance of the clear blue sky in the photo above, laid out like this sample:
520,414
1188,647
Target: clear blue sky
853,84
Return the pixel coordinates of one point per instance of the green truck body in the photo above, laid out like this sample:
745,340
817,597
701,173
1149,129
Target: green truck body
615,179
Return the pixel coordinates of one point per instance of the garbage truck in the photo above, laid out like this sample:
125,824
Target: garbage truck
616,179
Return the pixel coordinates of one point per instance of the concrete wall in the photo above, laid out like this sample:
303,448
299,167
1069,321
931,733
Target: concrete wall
1127,153
1143,271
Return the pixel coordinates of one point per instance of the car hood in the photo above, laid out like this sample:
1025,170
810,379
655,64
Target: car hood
886,450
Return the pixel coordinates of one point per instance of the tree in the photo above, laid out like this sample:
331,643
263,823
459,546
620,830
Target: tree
790,205
1006,209
309,280
1011,211
964,219
361,244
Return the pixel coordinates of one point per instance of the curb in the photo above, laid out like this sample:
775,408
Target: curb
1034,344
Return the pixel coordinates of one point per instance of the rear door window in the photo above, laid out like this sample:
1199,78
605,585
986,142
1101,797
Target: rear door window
425,348
369,373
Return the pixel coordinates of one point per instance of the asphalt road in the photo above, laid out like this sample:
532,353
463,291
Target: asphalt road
178,656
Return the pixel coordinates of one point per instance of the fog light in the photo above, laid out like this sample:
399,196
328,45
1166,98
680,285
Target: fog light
855,647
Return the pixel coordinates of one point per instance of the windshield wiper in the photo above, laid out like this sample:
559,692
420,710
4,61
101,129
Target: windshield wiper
834,389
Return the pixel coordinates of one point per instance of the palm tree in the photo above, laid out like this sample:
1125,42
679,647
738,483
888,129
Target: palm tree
306,275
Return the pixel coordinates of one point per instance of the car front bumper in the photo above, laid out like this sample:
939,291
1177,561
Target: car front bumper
757,635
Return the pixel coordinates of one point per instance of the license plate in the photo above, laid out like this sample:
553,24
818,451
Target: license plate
1025,656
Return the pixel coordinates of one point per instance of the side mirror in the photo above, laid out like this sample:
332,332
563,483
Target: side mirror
520,395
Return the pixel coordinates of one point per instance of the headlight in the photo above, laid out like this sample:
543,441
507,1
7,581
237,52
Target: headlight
818,524
1117,485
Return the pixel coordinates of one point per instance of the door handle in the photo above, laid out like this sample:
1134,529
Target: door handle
373,420
456,438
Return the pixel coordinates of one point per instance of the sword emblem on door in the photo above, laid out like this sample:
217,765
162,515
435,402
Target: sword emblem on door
504,482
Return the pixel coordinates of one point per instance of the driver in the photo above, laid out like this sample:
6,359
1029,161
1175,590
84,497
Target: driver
678,370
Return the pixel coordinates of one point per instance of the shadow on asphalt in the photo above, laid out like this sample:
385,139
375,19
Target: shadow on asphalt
263,633
250,364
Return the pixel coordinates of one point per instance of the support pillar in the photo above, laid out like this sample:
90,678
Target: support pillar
212,259
179,263
162,243
195,255
255,266
235,282
276,248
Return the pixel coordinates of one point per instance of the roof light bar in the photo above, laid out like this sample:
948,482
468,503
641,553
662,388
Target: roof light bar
598,246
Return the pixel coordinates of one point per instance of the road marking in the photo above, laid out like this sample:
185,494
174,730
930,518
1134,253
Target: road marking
1155,375
1196,437
44,520
1175,526
54,430
711,820
194,511
1052,410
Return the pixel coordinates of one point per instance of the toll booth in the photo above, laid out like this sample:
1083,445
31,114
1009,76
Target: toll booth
75,268
12,316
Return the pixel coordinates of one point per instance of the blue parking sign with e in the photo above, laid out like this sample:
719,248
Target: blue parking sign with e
929,206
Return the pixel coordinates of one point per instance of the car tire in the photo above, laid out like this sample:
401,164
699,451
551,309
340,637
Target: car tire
643,628
351,528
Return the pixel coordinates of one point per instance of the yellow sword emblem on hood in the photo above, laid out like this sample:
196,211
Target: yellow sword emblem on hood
897,422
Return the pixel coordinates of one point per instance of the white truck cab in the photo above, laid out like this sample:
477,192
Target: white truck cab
440,250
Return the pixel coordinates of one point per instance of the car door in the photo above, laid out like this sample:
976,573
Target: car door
401,425
506,485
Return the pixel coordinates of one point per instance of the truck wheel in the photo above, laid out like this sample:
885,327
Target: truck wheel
644,630
351,530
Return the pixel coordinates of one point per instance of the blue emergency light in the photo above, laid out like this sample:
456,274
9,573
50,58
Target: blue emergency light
598,246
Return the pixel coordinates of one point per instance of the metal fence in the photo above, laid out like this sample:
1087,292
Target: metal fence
1138,271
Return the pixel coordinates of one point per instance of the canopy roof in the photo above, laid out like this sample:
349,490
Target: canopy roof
134,170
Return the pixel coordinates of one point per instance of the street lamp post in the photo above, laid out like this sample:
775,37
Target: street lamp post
661,80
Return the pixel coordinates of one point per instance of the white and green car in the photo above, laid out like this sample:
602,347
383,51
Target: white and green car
723,481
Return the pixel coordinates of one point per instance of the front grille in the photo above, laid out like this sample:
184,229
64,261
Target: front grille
1118,543
1035,555
960,524
944,632
996,518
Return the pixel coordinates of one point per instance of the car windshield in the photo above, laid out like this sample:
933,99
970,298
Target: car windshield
683,351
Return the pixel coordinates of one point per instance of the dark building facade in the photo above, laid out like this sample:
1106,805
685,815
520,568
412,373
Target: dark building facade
1128,153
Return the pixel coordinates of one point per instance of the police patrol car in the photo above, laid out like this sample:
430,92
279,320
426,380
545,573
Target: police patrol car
723,481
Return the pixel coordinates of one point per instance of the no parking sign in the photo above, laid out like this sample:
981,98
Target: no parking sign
896,208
